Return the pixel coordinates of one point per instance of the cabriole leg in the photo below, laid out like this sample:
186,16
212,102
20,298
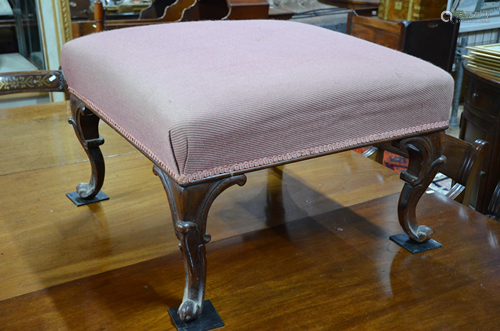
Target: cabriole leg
86,125
424,160
189,206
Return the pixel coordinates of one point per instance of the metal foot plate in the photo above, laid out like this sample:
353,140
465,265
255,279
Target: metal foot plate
208,320
412,246
78,201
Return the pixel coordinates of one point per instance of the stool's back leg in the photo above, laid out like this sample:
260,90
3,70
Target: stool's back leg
86,125
189,206
424,160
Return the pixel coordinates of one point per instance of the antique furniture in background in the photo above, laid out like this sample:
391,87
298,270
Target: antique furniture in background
172,13
80,9
480,120
494,205
366,25
42,27
182,10
431,40
463,164
396,10
350,4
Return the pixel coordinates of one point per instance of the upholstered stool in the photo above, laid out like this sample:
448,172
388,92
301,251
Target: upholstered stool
208,102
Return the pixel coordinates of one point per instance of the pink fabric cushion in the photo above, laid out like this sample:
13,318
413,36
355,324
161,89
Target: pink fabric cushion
205,98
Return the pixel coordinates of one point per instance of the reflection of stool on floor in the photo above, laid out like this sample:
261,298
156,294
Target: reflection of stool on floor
208,102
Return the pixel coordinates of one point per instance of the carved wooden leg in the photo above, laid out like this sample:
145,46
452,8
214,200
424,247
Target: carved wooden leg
424,158
86,125
189,206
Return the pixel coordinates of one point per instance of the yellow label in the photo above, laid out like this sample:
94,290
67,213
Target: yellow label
398,5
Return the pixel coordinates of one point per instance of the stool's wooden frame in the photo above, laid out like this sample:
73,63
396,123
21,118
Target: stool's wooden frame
190,203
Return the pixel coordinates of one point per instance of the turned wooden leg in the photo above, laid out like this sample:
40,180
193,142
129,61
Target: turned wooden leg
86,125
189,206
424,160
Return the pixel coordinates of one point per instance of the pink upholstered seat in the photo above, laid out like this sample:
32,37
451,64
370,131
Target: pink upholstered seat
204,98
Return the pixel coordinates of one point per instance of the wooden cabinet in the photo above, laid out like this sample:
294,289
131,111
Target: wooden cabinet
481,120
411,10
369,27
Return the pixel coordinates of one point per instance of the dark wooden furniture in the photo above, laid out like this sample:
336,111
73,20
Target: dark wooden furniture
395,10
430,40
352,4
99,16
367,26
182,10
80,9
213,10
155,9
32,81
481,120
172,13
463,164
493,210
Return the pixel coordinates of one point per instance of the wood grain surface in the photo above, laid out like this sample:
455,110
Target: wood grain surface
301,247
334,271
47,241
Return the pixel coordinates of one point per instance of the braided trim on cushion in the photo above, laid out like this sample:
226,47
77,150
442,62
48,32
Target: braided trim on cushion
227,169
313,151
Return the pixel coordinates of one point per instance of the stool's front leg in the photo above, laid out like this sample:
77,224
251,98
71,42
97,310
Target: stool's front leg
424,160
86,125
189,206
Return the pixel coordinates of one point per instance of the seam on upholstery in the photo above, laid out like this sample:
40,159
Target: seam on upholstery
186,159
172,148
187,178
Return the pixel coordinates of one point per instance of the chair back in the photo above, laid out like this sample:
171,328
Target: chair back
434,41
431,40
493,210
463,162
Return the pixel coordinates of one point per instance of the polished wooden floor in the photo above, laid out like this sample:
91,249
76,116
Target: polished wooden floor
309,251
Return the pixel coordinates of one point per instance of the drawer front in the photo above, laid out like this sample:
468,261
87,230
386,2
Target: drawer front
484,98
